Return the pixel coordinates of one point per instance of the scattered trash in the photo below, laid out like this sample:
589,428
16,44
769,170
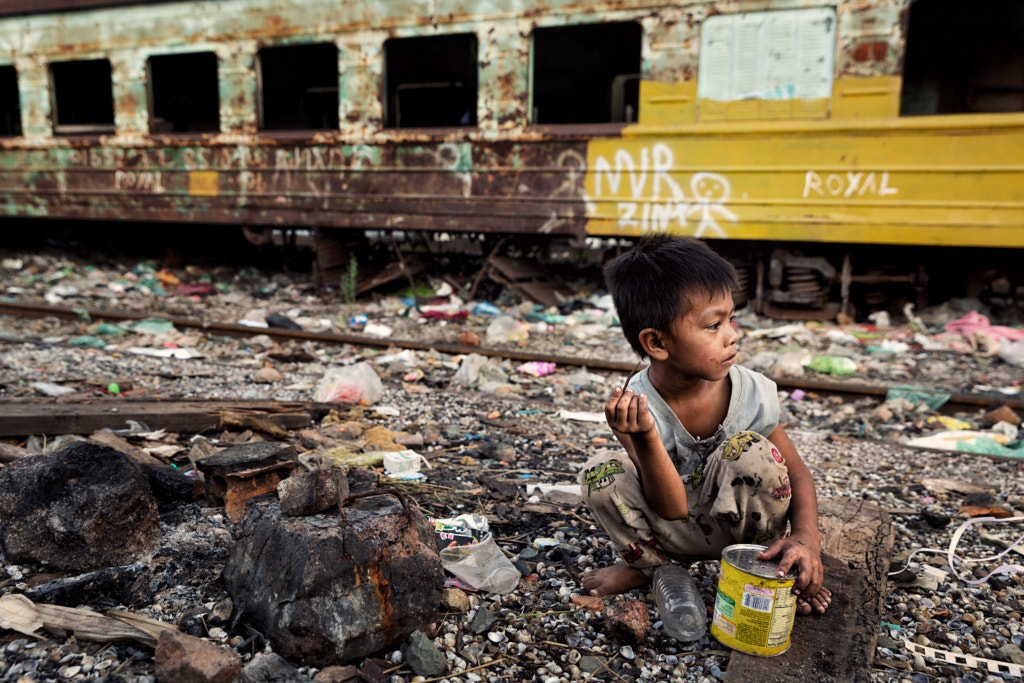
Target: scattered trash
833,365
377,330
485,308
282,322
507,329
966,440
181,354
536,368
357,383
403,462
482,565
975,322
932,399
152,326
88,340
50,389
582,416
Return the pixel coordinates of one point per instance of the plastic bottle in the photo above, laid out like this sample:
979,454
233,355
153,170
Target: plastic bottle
679,603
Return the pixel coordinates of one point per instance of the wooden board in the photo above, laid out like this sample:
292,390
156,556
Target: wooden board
23,419
856,543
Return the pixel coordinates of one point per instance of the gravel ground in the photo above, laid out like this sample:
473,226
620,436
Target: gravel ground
508,425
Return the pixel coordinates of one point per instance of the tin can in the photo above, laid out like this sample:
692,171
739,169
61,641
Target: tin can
754,609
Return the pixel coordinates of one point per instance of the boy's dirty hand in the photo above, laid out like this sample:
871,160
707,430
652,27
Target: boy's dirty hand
803,552
627,412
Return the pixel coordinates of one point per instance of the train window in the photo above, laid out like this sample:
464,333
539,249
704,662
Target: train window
961,61
431,81
586,74
757,56
10,108
83,97
299,87
184,93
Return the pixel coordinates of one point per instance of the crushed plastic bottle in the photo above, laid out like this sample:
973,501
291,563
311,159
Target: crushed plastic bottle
679,603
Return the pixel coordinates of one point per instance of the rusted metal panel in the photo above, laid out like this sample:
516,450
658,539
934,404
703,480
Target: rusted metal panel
21,7
871,37
501,186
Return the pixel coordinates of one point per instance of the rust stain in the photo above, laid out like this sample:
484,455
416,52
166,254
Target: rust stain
384,594
871,52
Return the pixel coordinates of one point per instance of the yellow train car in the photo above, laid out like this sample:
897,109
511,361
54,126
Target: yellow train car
843,154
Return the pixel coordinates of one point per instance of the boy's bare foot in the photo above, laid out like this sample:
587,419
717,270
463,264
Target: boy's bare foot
819,603
618,578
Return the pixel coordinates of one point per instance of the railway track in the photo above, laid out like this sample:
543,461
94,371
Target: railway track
958,402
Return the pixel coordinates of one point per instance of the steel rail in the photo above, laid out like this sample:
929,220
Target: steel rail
957,401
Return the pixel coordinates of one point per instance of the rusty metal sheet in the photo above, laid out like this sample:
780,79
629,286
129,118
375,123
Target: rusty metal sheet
462,186
21,7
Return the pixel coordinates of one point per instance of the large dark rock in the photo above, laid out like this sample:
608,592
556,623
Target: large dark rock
331,588
308,493
84,507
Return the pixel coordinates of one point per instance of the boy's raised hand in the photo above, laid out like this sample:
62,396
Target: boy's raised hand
627,412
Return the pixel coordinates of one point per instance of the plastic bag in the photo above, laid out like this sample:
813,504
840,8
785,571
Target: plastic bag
476,370
485,308
932,399
356,383
1013,353
833,365
482,565
507,328
536,368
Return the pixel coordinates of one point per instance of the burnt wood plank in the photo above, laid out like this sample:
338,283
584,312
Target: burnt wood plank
23,419
857,538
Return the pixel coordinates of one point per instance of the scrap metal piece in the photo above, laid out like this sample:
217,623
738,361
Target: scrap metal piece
239,473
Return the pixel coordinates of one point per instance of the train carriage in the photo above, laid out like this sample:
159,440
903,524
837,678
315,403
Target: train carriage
837,152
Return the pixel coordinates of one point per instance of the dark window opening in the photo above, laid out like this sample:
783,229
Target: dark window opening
10,107
184,93
586,74
299,87
431,81
962,60
83,96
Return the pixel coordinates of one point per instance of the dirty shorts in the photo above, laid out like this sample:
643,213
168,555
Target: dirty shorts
741,494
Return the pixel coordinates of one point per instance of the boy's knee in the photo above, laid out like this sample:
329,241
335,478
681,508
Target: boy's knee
598,475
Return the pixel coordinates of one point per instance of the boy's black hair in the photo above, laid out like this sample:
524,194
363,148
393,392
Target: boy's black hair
658,280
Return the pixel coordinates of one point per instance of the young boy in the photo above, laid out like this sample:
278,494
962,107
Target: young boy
709,464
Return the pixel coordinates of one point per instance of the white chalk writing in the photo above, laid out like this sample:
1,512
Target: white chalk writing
653,200
850,184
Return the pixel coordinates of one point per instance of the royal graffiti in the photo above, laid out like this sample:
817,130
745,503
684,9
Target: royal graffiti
850,184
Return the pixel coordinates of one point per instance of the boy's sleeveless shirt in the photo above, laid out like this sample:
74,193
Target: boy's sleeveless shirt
753,407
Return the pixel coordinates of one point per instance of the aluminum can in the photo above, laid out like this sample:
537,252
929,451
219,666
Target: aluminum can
754,608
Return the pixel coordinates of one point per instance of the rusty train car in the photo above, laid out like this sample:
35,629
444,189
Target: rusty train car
843,153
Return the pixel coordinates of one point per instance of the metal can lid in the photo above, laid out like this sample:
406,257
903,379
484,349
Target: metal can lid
744,557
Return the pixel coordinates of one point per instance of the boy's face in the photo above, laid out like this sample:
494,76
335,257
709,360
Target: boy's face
702,344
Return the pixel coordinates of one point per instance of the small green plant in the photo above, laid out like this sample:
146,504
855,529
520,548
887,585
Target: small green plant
348,281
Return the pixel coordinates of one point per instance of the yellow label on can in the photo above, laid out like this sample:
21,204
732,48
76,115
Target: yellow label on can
753,614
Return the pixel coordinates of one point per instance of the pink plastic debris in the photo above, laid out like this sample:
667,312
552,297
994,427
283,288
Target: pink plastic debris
536,368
